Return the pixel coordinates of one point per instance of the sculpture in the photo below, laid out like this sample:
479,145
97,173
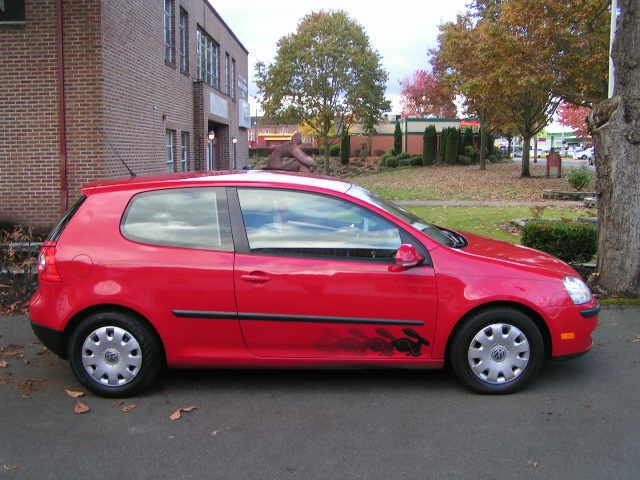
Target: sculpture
281,157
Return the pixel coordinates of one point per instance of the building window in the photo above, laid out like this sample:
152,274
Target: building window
184,41
170,147
184,151
233,78
207,53
227,74
169,29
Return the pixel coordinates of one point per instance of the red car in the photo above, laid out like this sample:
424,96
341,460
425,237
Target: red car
245,269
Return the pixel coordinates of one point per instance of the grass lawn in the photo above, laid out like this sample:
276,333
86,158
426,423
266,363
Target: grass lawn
490,221
500,181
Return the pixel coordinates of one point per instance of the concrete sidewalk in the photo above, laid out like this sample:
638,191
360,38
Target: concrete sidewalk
489,203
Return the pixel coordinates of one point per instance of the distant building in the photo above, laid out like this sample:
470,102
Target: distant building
161,84
265,135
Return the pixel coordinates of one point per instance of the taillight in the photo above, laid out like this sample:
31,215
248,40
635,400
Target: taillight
47,263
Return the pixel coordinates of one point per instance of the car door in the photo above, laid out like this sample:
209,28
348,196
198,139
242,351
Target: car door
313,280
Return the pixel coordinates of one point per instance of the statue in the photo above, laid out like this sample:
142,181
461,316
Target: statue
281,157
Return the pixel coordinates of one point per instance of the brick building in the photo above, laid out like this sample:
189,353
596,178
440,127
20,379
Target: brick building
160,84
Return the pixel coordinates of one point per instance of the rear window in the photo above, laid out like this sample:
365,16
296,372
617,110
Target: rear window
194,217
64,221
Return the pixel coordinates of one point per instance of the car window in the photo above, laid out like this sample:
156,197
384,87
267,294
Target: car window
309,224
186,217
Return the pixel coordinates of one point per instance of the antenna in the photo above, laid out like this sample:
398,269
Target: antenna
131,172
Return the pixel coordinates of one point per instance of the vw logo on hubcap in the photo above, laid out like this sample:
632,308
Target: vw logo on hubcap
499,353
111,356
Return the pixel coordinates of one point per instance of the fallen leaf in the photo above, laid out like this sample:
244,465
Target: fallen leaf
4,379
12,351
3,364
10,466
128,408
637,339
533,463
81,408
74,393
31,385
43,351
177,414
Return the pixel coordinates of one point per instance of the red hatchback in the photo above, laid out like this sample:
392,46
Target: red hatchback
259,268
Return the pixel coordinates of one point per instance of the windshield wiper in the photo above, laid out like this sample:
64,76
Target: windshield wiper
457,240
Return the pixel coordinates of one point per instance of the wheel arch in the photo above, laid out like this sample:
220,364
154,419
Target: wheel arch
77,318
530,312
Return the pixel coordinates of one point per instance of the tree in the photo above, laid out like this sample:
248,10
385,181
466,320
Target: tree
450,141
397,139
324,73
425,95
345,147
575,117
614,126
429,141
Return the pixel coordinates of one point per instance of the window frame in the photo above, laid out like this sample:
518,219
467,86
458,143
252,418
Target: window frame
170,148
227,73
184,41
170,35
207,59
241,240
233,78
224,219
184,151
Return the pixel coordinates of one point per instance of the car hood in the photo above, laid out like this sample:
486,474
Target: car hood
515,254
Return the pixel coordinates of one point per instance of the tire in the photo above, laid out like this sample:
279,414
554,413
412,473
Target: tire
504,361
119,344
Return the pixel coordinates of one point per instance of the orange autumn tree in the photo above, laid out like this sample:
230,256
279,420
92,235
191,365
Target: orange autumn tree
425,95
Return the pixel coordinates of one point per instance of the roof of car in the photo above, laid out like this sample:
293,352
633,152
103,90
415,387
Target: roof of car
240,177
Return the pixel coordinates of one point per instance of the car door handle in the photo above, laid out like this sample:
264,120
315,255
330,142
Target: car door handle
255,277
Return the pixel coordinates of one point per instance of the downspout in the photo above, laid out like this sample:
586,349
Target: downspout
62,124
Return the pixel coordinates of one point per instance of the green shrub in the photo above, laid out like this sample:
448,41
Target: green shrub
391,162
403,156
465,160
345,148
451,145
416,160
397,139
569,241
386,157
467,139
579,178
429,143
334,150
404,162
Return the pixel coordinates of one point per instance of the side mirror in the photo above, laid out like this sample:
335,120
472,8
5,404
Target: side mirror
406,257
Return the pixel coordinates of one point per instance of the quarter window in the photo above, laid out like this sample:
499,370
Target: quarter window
307,224
184,41
207,53
186,217
184,151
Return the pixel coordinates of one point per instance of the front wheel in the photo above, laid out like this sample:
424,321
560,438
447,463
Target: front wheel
498,350
114,354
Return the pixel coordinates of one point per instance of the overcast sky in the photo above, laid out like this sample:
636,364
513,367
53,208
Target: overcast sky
402,32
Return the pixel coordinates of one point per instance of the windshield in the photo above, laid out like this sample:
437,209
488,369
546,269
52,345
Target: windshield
440,235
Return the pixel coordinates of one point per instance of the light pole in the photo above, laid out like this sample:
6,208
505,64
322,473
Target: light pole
612,37
234,140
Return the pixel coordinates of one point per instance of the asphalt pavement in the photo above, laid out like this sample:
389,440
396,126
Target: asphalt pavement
580,419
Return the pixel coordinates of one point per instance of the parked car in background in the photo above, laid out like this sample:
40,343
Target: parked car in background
256,268
584,154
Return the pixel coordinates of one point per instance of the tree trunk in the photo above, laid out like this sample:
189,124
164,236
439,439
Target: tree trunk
509,146
526,145
483,147
325,147
535,149
616,134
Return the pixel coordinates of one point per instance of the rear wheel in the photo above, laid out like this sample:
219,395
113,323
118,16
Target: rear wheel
114,354
498,350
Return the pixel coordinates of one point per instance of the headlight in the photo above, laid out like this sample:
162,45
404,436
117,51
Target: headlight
578,290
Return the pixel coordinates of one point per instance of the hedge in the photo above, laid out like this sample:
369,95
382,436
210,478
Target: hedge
573,242
429,143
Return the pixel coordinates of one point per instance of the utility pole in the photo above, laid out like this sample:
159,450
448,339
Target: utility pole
614,17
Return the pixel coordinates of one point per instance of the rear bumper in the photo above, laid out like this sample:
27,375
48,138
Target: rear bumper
52,339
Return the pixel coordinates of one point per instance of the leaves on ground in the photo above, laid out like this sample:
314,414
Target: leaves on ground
16,351
7,467
3,364
533,463
4,379
637,339
81,408
31,386
128,408
74,393
177,414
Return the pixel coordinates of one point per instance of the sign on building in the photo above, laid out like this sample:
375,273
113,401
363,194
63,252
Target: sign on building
244,114
218,105
243,87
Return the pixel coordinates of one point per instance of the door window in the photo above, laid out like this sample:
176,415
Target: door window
181,217
307,224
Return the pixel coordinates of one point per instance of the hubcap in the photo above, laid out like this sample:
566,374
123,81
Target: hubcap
499,353
111,356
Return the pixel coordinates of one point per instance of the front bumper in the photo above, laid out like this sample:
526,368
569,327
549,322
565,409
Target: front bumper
54,340
572,328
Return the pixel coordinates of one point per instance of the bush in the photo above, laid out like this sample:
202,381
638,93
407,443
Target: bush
345,148
429,142
397,139
416,160
403,156
260,152
378,153
580,177
334,150
465,160
391,162
569,241
451,145
404,162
